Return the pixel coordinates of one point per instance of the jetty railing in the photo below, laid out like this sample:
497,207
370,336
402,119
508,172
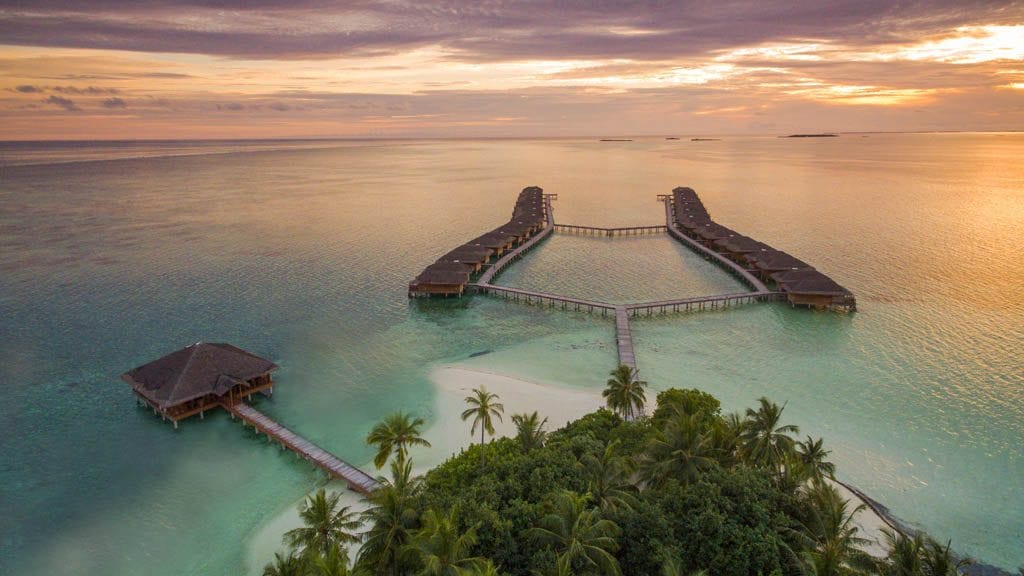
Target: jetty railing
699,303
357,479
624,340
610,232
522,249
545,298
733,268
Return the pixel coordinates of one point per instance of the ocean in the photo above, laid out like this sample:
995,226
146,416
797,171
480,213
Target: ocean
113,254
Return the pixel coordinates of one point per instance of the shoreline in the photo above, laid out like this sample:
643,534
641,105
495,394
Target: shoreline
449,435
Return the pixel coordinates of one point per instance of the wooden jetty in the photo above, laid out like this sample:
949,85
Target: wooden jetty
624,339
700,303
609,232
544,298
517,253
451,274
733,268
206,376
751,261
336,467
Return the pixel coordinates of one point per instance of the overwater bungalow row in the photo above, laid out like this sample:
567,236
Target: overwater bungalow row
802,284
451,273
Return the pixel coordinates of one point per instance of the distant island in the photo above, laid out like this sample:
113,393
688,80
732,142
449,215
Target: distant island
704,139
823,135
671,138
615,140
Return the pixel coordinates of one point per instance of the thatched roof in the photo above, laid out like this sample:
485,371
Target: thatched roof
475,254
775,260
740,244
713,231
455,265
442,273
196,371
689,214
493,239
808,282
694,222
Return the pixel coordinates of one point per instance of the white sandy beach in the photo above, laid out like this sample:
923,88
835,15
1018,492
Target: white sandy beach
448,434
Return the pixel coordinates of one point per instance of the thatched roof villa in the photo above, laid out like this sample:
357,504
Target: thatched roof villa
200,377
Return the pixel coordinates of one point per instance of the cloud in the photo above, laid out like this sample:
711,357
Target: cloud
484,31
88,90
64,103
28,89
114,103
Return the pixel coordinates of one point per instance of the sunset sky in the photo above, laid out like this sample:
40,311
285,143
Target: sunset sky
102,69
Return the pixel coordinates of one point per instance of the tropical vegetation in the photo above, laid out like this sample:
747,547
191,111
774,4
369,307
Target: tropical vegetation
686,490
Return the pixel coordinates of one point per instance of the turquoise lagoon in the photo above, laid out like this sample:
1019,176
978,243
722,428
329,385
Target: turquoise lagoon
114,254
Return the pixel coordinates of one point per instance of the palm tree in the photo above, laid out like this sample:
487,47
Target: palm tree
289,565
392,520
608,478
939,560
832,546
482,407
440,547
905,552
326,525
530,430
487,568
725,438
672,566
396,433
625,394
579,535
765,442
333,563
681,450
812,455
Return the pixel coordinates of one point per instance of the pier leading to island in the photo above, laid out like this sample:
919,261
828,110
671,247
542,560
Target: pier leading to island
335,467
207,376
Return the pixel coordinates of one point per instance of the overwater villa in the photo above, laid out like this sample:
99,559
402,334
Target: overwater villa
198,378
446,278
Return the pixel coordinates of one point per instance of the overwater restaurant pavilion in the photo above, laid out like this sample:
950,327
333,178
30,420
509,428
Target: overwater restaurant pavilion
198,378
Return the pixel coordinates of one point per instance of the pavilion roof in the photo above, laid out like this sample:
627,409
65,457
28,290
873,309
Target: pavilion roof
808,282
777,260
196,371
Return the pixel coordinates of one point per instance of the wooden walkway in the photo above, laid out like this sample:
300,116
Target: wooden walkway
733,268
610,232
503,262
702,302
532,296
624,339
336,467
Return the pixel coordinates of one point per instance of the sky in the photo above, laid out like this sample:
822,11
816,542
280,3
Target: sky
182,69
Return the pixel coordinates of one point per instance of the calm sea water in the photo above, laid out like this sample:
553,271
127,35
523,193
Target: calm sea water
301,252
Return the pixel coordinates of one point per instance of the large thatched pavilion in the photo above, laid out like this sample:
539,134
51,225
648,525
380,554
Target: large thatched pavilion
200,377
